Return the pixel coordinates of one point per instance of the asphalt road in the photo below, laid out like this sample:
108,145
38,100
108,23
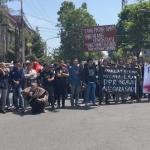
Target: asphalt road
113,127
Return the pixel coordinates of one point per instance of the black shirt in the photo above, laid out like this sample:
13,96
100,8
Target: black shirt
61,80
46,75
91,75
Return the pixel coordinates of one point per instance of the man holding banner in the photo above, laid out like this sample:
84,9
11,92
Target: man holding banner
120,65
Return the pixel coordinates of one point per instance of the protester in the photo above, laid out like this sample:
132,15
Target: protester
135,64
120,65
62,75
30,76
47,79
74,82
55,83
89,79
17,77
37,98
3,85
102,95
81,93
36,66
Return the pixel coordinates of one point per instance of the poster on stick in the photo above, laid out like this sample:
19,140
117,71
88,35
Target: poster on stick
119,80
146,82
99,38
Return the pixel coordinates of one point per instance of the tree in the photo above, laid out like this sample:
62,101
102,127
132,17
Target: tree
71,21
133,28
35,47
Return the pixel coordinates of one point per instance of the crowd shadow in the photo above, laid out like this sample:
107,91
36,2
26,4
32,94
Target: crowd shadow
80,107
50,110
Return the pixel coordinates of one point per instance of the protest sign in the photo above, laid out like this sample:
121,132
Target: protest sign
119,80
99,38
146,82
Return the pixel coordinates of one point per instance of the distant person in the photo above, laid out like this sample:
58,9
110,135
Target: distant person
17,78
62,74
103,95
30,75
3,85
36,66
74,82
47,81
89,80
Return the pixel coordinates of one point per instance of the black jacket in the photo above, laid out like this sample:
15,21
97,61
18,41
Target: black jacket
86,73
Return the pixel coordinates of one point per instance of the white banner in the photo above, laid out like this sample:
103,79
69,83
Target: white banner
146,82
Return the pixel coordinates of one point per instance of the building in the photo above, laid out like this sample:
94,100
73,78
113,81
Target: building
8,30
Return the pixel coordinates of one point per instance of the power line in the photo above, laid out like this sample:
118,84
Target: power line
45,28
37,9
40,18
44,11
31,9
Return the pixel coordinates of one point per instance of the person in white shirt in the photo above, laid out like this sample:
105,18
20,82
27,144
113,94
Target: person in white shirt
30,76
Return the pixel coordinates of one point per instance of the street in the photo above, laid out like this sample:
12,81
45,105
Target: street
113,127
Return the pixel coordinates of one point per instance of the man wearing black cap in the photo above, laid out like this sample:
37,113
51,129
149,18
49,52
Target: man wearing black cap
47,79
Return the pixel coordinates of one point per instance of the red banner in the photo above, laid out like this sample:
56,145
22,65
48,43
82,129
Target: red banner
99,38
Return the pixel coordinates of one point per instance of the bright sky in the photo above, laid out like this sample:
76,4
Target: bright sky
104,12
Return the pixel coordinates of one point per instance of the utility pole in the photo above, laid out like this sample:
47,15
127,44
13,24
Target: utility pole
22,35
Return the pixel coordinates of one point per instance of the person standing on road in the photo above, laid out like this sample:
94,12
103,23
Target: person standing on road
135,64
47,80
17,77
120,65
89,80
3,85
74,82
62,75
30,76
101,94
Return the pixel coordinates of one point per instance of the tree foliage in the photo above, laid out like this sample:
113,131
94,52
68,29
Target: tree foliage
71,21
133,29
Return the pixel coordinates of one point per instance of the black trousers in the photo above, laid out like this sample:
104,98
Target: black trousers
61,88
37,107
55,92
50,91
101,95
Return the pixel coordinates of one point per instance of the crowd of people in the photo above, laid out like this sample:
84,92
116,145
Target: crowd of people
38,86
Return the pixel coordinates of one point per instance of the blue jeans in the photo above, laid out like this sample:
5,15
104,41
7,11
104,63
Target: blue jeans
17,94
90,92
75,89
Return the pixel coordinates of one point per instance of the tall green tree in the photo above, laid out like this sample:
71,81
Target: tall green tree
35,47
71,21
133,28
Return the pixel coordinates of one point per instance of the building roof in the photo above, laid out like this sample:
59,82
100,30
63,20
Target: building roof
15,19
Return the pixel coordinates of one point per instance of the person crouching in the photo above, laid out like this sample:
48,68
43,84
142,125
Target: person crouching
37,97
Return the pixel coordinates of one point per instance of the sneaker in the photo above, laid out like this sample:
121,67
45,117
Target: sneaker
16,109
3,111
107,103
63,106
58,107
95,104
53,108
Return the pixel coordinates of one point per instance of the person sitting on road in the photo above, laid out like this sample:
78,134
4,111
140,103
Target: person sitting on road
37,97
